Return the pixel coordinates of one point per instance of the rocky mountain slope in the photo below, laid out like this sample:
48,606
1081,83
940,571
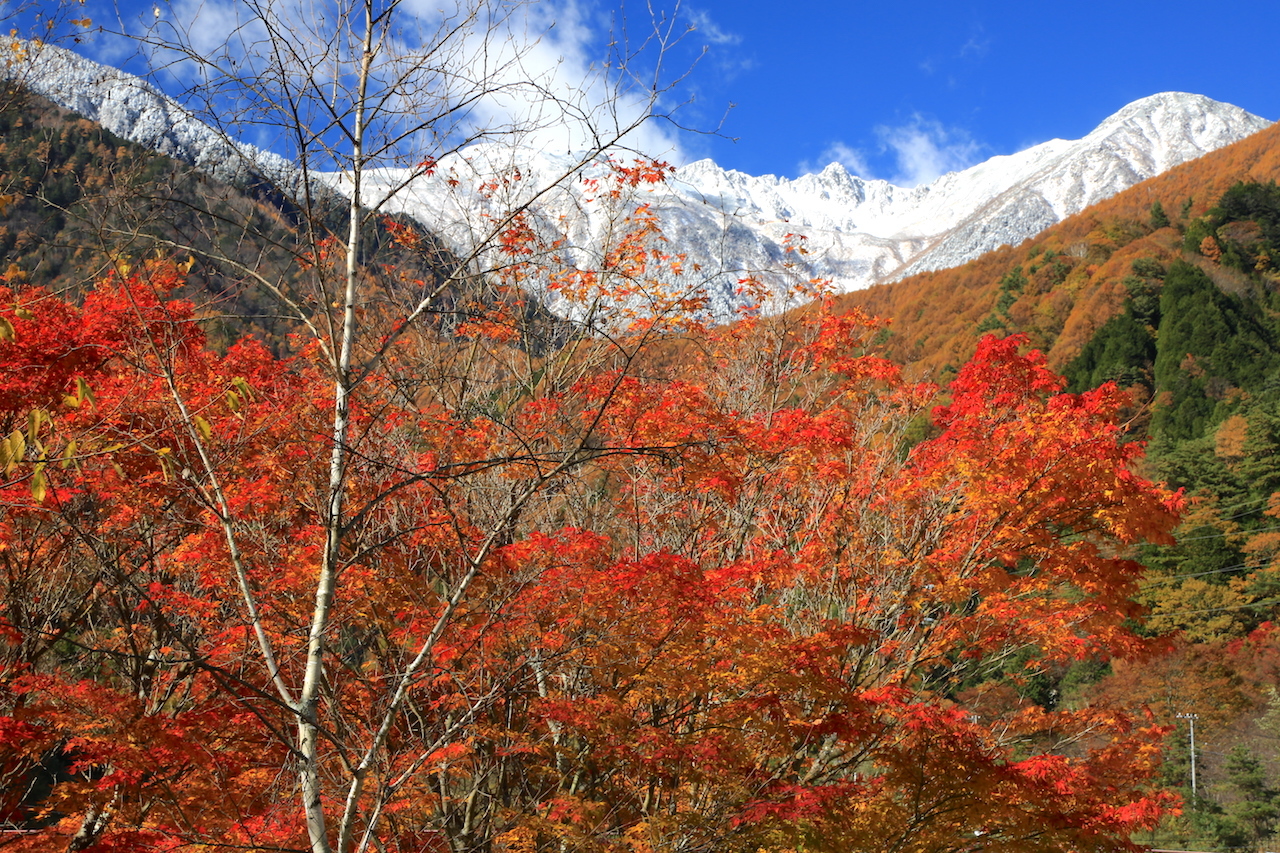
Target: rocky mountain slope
132,108
858,232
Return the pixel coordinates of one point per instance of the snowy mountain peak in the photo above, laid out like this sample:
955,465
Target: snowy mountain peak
860,231
1168,102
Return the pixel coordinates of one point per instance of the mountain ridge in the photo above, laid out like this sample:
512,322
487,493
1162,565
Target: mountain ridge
1114,135
859,232
134,109
936,317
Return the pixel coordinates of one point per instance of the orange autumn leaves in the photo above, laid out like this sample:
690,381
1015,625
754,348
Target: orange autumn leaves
740,618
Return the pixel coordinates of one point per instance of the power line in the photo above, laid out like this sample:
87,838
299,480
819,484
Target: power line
1271,603
1223,570
1219,534
1245,504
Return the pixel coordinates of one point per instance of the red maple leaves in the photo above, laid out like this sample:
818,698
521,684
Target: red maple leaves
737,606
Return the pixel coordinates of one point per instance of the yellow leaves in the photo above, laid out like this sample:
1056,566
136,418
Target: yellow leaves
6,330
68,454
520,839
39,485
12,450
239,392
36,418
19,445
1203,611
165,455
82,393
122,266
202,427
1230,438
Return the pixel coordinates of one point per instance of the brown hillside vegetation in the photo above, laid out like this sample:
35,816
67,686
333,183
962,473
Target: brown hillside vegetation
1072,271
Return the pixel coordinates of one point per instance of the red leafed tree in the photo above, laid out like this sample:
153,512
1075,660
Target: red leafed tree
599,604
461,575
802,591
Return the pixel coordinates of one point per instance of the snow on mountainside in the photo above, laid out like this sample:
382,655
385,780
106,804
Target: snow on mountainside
864,231
858,231
1144,139
132,108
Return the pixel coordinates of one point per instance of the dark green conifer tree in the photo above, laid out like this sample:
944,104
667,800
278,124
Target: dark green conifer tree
1159,219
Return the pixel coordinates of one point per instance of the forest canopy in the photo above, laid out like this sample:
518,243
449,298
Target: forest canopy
315,535
734,604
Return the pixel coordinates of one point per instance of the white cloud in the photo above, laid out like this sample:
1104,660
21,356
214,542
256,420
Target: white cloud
539,73
709,30
924,150
212,25
838,152
978,45
549,73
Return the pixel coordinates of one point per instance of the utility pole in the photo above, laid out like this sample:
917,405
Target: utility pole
1191,719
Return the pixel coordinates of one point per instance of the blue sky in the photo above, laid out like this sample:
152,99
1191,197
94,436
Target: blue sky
906,90
889,87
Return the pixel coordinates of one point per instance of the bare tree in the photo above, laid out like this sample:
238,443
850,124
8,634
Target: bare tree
363,99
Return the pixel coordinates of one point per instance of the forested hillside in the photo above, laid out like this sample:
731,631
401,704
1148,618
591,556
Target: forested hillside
1198,341
1061,286
80,202
1171,291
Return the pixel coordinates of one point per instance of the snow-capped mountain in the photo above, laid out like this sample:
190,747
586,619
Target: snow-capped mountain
858,232
132,108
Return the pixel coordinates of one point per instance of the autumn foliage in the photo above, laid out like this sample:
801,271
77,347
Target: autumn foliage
938,317
751,601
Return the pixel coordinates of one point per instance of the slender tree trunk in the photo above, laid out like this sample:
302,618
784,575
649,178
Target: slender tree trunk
308,702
